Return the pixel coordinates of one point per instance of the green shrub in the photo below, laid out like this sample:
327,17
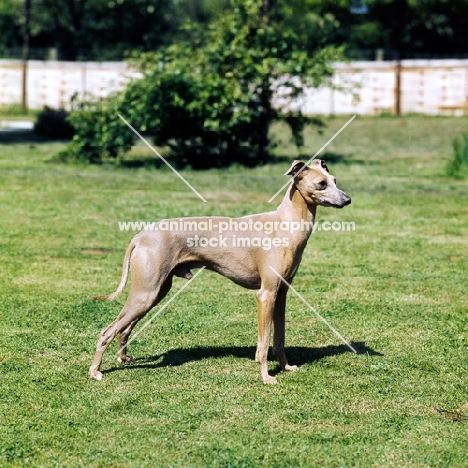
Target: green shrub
99,134
458,166
54,124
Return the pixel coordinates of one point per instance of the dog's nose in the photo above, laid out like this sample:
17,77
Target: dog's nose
346,200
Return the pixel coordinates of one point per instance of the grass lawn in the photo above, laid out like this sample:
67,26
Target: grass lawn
396,288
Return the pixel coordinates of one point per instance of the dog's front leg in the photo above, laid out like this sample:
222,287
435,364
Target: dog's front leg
279,329
265,303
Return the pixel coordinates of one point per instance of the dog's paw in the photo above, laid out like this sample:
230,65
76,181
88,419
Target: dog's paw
289,368
270,380
95,374
126,359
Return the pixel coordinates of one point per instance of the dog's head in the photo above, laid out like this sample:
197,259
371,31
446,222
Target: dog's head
316,185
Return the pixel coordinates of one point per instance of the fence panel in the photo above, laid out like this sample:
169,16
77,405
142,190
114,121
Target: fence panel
365,88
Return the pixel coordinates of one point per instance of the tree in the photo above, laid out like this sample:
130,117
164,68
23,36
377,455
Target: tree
412,27
211,100
108,28
10,25
104,28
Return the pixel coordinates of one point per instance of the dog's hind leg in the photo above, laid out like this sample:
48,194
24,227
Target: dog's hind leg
136,307
122,344
148,286
123,336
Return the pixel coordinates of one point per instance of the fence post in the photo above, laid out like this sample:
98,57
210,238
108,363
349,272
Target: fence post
397,106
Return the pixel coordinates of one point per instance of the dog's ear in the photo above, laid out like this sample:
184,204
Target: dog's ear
296,166
322,164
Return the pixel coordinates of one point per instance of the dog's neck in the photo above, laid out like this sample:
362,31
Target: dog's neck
294,207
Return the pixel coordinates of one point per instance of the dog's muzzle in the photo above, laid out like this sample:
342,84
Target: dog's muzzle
346,200
342,203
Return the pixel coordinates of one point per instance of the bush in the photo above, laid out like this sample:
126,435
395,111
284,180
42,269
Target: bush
458,166
99,134
54,124
210,101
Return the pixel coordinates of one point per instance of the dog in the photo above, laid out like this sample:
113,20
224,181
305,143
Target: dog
260,262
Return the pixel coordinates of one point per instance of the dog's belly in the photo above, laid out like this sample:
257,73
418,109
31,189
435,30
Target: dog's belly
240,270
246,279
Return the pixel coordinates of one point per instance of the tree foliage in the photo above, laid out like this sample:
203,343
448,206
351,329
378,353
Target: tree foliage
410,27
211,100
104,28
110,27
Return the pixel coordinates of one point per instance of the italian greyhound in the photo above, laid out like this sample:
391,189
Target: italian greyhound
243,252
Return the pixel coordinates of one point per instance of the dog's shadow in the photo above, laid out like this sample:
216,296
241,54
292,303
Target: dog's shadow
299,355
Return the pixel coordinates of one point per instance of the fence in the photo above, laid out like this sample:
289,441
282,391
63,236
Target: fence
409,86
54,83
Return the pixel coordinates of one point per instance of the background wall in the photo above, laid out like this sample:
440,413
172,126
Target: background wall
418,86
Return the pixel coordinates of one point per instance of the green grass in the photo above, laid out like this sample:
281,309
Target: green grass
15,112
396,288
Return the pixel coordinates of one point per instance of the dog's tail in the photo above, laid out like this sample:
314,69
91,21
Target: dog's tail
123,281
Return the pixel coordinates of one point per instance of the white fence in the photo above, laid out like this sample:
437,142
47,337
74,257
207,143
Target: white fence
54,83
419,86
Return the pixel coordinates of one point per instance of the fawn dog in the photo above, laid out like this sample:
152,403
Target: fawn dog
155,256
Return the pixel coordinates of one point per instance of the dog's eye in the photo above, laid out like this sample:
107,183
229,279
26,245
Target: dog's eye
322,185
